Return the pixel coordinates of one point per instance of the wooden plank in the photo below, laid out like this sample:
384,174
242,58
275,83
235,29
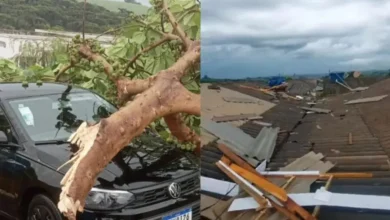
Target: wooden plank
303,185
318,110
302,163
255,195
365,100
261,182
233,157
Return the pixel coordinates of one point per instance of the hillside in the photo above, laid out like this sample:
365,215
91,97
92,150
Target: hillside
61,15
115,6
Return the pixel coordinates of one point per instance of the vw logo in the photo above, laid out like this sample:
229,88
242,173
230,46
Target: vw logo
174,190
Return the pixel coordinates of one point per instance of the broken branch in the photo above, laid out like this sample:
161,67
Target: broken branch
62,71
86,52
155,44
180,130
175,25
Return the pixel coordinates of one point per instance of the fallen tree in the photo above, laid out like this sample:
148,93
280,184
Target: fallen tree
165,45
160,95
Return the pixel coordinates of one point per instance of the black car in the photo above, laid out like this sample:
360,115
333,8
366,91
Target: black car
148,179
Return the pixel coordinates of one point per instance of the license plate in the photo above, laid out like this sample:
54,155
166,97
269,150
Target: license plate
185,214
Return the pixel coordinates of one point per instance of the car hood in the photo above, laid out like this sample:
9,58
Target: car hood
132,168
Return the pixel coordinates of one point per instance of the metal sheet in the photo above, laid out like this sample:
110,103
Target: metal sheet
264,144
227,132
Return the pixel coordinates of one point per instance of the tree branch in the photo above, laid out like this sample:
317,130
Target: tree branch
105,139
86,52
180,130
175,25
127,87
62,71
155,44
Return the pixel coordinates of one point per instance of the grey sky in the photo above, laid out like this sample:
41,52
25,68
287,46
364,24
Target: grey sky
262,37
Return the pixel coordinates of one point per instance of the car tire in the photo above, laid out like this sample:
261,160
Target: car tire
42,208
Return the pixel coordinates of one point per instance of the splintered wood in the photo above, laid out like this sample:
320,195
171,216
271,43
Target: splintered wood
271,190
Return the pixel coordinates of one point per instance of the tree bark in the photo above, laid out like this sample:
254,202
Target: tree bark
162,96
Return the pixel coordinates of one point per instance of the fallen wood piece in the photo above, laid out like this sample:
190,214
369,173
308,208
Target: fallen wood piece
235,117
365,100
249,188
318,110
317,208
238,100
236,159
323,197
277,192
228,171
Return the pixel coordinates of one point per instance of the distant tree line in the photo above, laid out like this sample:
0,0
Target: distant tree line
57,14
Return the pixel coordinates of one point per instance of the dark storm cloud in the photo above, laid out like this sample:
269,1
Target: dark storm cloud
316,34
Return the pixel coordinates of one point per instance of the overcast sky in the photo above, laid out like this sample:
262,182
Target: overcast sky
263,37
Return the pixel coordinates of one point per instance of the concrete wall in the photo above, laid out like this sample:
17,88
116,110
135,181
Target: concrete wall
11,42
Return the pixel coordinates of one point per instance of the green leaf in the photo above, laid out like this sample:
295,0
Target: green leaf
187,20
196,19
190,4
118,50
139,37
130,29
88,85
176,8
193,87
90,74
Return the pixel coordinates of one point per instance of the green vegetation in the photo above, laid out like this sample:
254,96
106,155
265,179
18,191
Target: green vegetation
53,62
61,15
116,6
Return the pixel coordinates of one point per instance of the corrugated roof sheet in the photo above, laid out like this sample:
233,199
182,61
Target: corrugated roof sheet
264,144
368,123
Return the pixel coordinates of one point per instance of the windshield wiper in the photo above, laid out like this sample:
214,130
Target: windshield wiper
58,142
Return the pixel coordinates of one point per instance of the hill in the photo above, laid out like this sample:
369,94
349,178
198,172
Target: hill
61,15
115,6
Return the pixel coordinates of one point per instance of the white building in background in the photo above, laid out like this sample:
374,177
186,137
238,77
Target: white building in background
11,42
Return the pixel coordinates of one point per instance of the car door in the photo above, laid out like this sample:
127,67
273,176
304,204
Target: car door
10,180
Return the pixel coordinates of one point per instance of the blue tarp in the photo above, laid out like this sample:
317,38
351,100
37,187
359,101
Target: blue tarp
275,81
339,76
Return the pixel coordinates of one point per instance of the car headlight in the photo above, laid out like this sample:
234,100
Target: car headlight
100,199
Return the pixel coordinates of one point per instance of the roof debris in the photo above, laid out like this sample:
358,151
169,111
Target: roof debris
318,110
238,100
238,117
364,100
299,151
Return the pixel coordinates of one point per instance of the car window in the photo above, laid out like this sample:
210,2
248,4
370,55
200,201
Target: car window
5,126
55,117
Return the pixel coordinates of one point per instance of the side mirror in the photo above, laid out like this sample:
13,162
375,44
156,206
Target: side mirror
3,138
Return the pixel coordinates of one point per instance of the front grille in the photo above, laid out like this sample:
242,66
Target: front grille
196,212
160,194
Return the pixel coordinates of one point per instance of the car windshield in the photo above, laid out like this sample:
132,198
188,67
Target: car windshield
56,117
